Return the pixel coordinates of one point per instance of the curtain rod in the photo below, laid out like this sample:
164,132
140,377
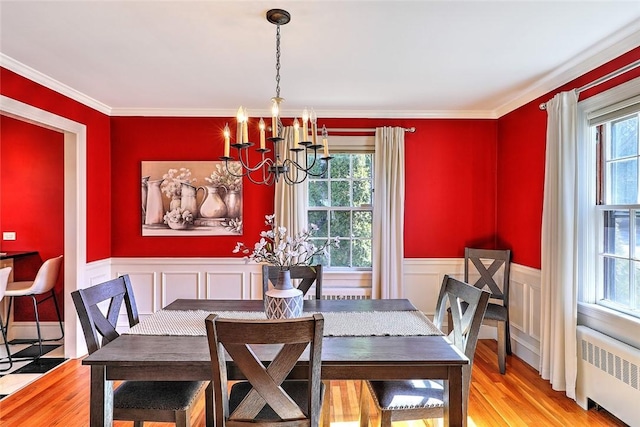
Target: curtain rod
605,78
347,130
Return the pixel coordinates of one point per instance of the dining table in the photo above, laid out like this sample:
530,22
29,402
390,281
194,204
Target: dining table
364,339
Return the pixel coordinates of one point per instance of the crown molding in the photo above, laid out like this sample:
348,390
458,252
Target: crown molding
351,114
48,82
621,42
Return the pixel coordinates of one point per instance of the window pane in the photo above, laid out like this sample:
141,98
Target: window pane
319,167
361,193
624,137
362,224
616,233
622,182
340,166
340,257
362,253
616,286
340,193
318,193
341,224
319,218
362,166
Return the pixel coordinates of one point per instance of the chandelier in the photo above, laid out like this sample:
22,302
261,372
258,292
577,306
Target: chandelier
301,161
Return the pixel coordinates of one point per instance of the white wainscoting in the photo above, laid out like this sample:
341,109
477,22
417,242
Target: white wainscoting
159,281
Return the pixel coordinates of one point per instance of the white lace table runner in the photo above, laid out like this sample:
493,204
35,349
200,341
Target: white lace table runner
336,324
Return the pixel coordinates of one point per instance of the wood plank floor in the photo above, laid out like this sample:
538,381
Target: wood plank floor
519,398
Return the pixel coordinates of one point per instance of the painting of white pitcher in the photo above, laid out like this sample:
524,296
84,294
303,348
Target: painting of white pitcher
191,198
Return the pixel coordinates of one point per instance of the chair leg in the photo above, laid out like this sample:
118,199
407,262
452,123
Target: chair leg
502,344
209,402
35,309
6,346
55,303
138,423
385,418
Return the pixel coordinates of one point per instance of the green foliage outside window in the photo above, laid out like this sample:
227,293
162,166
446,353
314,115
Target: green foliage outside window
340,204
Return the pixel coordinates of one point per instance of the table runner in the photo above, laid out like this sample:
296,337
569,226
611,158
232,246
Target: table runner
376,323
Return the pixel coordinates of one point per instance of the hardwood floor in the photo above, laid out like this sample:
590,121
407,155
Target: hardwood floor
519,398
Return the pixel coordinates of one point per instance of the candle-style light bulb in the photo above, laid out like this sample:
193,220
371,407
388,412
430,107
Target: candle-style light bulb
305,121
325,141
239,120
245,126
296,131
275,112
314,127
262,127
227,134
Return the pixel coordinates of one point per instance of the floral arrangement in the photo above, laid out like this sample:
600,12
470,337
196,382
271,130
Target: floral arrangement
221,177
277,248
172,181
178,218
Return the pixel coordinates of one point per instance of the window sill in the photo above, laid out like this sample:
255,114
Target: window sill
610,322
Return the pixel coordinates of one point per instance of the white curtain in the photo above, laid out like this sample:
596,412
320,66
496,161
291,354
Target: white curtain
561,222
388,213
290,202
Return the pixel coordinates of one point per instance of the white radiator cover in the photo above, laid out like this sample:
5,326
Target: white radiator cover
609,375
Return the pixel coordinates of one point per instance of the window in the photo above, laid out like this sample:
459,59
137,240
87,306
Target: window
340,204
616,134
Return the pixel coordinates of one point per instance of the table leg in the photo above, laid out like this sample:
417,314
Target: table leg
101,400
453,409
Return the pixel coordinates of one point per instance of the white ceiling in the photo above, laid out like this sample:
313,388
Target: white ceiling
343,58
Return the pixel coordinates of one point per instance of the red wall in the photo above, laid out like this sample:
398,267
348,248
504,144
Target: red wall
98,153
447,161
31,200
521,153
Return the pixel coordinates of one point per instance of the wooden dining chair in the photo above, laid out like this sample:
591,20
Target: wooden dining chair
267,397
137,401
421,399
309,275
495,279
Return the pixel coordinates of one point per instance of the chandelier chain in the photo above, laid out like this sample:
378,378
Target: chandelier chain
278,61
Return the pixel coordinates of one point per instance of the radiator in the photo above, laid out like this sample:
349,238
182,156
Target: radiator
608,375
341,293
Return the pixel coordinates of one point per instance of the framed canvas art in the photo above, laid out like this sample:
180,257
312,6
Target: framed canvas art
191,198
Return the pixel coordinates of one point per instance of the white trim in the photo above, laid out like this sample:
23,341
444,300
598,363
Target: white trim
51,83
75,205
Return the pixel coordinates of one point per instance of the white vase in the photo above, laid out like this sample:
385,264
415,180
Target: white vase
284,301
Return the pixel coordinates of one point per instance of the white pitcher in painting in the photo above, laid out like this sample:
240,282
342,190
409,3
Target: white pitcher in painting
188,200
154,209
212,206
145,181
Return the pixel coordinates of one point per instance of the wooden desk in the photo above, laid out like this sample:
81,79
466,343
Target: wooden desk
146,357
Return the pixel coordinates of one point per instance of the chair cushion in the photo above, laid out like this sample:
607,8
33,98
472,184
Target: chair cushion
296,389
160,395
496,312
394,395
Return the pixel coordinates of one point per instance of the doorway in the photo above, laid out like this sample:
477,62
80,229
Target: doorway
75,209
